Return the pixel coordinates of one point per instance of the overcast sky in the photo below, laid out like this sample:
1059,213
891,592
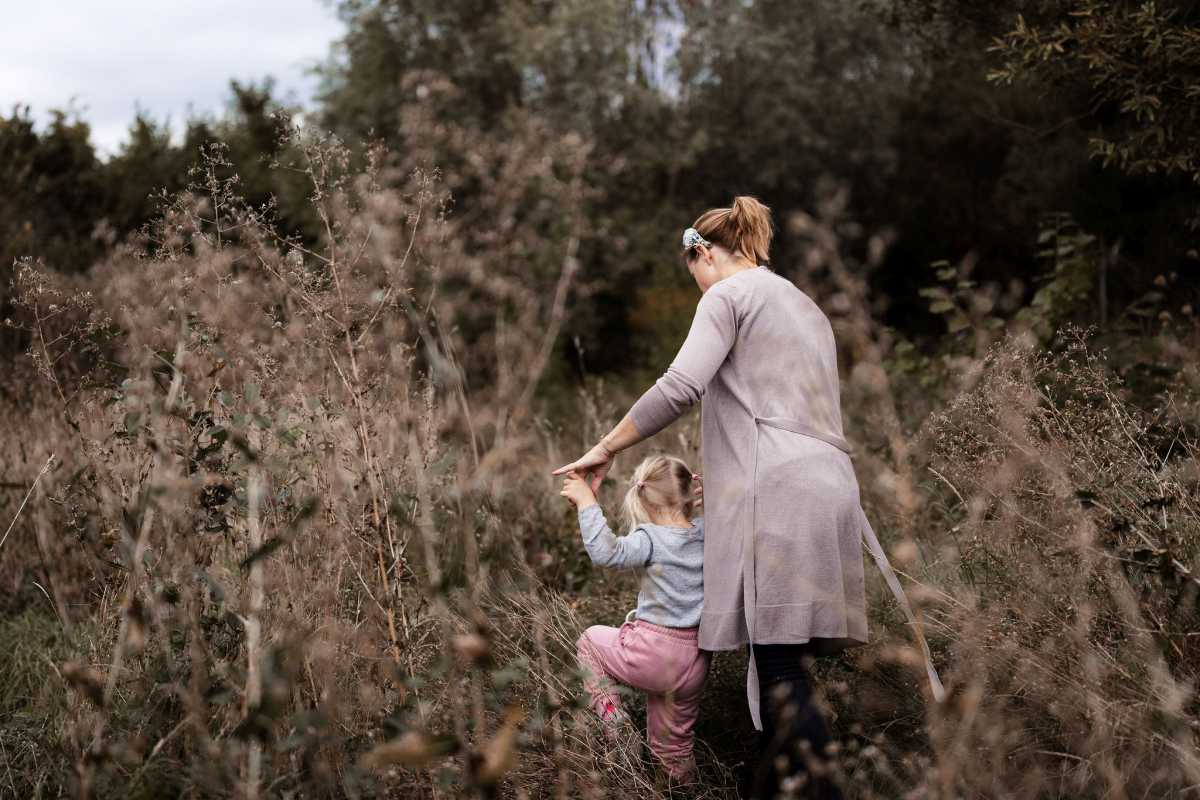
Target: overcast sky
112,57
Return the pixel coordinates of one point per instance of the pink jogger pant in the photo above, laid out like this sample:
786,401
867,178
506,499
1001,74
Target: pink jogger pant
663,662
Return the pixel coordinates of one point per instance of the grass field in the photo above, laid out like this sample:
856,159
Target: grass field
299,537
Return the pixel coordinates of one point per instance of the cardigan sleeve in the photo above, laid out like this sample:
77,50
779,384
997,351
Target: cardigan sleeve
711,337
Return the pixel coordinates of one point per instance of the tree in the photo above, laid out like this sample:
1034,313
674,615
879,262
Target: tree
682,105
147,163
990,148
51,191
1140,64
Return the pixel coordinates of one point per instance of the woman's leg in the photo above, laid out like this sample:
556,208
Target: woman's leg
794,732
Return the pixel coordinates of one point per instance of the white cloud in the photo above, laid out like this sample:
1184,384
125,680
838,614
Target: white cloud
167,57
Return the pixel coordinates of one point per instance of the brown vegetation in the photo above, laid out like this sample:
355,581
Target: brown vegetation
299,537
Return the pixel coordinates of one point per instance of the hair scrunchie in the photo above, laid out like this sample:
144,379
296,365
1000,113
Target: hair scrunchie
692,238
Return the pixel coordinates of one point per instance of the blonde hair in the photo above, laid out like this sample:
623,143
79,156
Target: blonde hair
662,484
743,229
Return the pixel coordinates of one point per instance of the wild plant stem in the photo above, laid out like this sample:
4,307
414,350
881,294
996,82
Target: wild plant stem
32,486
254,625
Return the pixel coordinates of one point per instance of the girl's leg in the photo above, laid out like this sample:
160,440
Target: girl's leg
794,733
671,717
598,650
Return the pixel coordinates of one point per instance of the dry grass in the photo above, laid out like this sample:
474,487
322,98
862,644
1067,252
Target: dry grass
299,538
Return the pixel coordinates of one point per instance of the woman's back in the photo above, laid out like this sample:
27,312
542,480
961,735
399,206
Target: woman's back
783,363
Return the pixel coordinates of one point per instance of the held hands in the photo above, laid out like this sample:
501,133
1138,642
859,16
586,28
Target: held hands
594,465
577,490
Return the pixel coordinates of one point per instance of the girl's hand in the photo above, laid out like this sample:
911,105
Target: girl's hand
576,489
697,490
594,465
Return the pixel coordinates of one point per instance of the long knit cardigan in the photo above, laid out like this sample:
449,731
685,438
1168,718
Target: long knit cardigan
784,526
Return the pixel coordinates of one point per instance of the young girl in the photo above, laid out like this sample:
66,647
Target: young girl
656,651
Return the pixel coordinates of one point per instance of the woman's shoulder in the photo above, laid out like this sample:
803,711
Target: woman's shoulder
765,278
754,283
735,292
768,288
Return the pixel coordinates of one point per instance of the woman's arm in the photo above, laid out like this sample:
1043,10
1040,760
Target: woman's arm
711,337
713,332
597,461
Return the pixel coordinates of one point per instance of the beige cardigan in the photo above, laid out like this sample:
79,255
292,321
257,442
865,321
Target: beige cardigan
782,559
783,549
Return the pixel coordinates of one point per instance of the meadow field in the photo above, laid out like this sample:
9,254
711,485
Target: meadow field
281,399
280,540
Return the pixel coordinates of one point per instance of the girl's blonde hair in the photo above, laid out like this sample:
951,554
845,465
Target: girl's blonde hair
661,484
743,229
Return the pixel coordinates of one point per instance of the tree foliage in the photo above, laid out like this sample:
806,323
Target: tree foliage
959,128
1140,63
53,190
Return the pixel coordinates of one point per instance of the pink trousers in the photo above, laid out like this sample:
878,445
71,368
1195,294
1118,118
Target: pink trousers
663,662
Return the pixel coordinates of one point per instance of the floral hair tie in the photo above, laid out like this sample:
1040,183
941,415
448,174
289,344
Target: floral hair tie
692,238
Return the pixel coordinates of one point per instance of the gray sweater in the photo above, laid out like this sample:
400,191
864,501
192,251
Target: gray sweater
671,562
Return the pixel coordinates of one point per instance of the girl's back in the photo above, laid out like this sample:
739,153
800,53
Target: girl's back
670,558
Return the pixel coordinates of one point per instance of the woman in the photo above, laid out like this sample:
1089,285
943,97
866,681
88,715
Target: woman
783,569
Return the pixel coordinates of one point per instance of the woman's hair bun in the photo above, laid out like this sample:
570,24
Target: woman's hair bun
750,218
744,228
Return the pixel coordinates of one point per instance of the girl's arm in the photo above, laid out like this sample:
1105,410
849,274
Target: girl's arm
605,549
608,550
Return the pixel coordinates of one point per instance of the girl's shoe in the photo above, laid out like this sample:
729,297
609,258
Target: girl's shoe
613,715
682,774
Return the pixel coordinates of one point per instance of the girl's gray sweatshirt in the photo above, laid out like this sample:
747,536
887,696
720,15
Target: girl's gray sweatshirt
671,562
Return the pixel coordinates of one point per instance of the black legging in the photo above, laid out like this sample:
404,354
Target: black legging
789,718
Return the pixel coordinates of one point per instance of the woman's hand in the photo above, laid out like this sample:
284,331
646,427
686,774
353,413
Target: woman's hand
576,489
594,465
